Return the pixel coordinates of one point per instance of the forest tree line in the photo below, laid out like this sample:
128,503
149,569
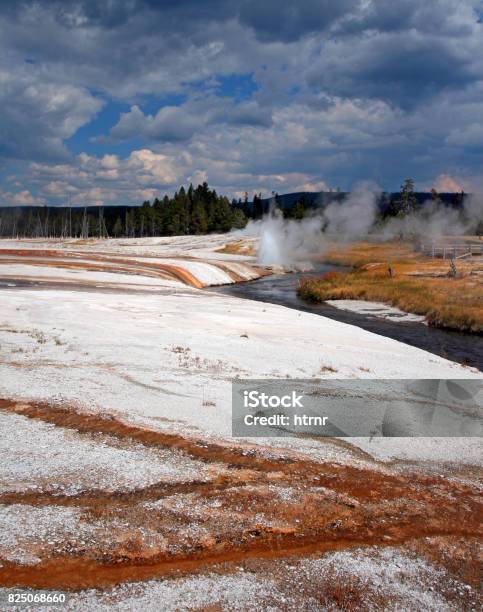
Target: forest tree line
197,210
189,211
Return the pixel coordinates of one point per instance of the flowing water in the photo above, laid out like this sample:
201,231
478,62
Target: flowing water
282,289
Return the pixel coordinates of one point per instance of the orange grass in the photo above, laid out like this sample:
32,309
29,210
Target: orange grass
419,284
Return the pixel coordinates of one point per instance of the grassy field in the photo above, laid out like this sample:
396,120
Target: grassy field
418,284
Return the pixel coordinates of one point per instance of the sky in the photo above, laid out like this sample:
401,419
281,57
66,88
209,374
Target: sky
115,102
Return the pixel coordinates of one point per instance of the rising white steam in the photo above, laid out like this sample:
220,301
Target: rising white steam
352,218
433,221
285,242
291,244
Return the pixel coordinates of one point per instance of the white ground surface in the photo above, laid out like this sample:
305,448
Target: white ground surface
169,353
165,358
107,279
198,255
376,309
389,575
200,247
241,591
79,462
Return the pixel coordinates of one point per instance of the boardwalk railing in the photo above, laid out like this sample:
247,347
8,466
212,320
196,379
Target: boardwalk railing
452,251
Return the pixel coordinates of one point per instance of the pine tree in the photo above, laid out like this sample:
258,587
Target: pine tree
239,219
199,221
257,207
407,200
182,207
221,214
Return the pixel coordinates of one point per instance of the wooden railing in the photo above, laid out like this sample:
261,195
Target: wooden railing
452,251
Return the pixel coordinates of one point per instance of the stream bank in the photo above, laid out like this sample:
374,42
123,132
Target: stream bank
282,289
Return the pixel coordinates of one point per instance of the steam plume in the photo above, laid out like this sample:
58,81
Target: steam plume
290,243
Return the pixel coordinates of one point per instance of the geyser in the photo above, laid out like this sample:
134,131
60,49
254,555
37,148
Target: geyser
292,244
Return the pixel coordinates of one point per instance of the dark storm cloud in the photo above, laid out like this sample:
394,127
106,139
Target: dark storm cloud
287,21
270,19
402,68
342,90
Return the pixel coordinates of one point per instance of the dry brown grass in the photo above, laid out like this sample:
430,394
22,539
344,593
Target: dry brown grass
419,285
362,253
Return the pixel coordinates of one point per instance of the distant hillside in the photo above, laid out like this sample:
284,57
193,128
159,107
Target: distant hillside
321,199
195,211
